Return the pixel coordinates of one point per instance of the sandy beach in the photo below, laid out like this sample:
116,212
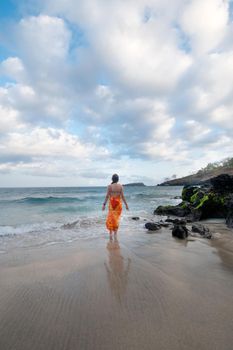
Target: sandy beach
143,291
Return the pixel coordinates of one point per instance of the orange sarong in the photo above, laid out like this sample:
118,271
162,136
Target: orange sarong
114,213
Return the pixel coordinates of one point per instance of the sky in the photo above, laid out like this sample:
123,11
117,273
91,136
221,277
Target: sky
88,88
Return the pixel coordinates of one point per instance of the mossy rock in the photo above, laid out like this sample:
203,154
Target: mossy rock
183,205
212,205
188,192
180,210
197,197
205,198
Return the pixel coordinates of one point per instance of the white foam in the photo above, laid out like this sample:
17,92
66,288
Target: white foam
26,228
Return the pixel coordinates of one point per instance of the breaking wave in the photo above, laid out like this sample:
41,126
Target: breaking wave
48,200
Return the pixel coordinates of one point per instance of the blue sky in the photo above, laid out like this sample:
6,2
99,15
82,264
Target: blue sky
7,9
89,88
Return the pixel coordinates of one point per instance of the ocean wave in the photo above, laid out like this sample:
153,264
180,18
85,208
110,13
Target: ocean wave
48,200
8,231
43,227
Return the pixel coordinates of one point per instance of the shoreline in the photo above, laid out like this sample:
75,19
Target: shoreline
145,291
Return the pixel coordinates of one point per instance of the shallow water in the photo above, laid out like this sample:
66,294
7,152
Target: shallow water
37,216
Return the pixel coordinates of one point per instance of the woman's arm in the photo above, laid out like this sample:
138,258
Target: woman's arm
106,198
123,198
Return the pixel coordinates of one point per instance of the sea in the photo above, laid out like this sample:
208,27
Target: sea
52,215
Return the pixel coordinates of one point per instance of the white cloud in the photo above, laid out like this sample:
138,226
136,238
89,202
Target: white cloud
44,41
51,143
205,22
149,79
223,115
196,131
9,120
206,88
42,91
173,151
13,68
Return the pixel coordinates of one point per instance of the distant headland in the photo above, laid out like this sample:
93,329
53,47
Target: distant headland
203,175
135,184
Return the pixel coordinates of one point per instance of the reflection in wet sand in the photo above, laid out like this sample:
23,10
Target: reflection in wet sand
117,269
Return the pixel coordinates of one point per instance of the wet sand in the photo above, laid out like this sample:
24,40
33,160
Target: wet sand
143,291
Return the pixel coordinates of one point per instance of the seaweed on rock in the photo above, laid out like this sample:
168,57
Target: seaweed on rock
204,202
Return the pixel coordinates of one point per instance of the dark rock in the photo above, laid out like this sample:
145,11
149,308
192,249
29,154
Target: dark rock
229,221
189,219
188,192
164,224
70,225
212,205
202,230
194,215
135,218
180,222
180,210
152,226
176,221
199,228
177,197
229,217
197,197
170,220
183,210
222,183
208,201
180,231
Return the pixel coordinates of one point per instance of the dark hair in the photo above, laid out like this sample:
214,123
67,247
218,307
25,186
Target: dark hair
115,178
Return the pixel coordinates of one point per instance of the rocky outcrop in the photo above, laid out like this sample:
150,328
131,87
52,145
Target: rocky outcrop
188,192
213,200
184,209
152,226
178,210
202,230
180,230
222,183
229,218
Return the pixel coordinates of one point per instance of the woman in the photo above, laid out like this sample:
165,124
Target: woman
115,195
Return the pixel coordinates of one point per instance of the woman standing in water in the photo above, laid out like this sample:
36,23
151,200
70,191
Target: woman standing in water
115,195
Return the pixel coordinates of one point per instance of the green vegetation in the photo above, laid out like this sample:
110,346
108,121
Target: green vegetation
188,192
211,197
195,197
202,201
183,195
184,205
161,208
218,199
